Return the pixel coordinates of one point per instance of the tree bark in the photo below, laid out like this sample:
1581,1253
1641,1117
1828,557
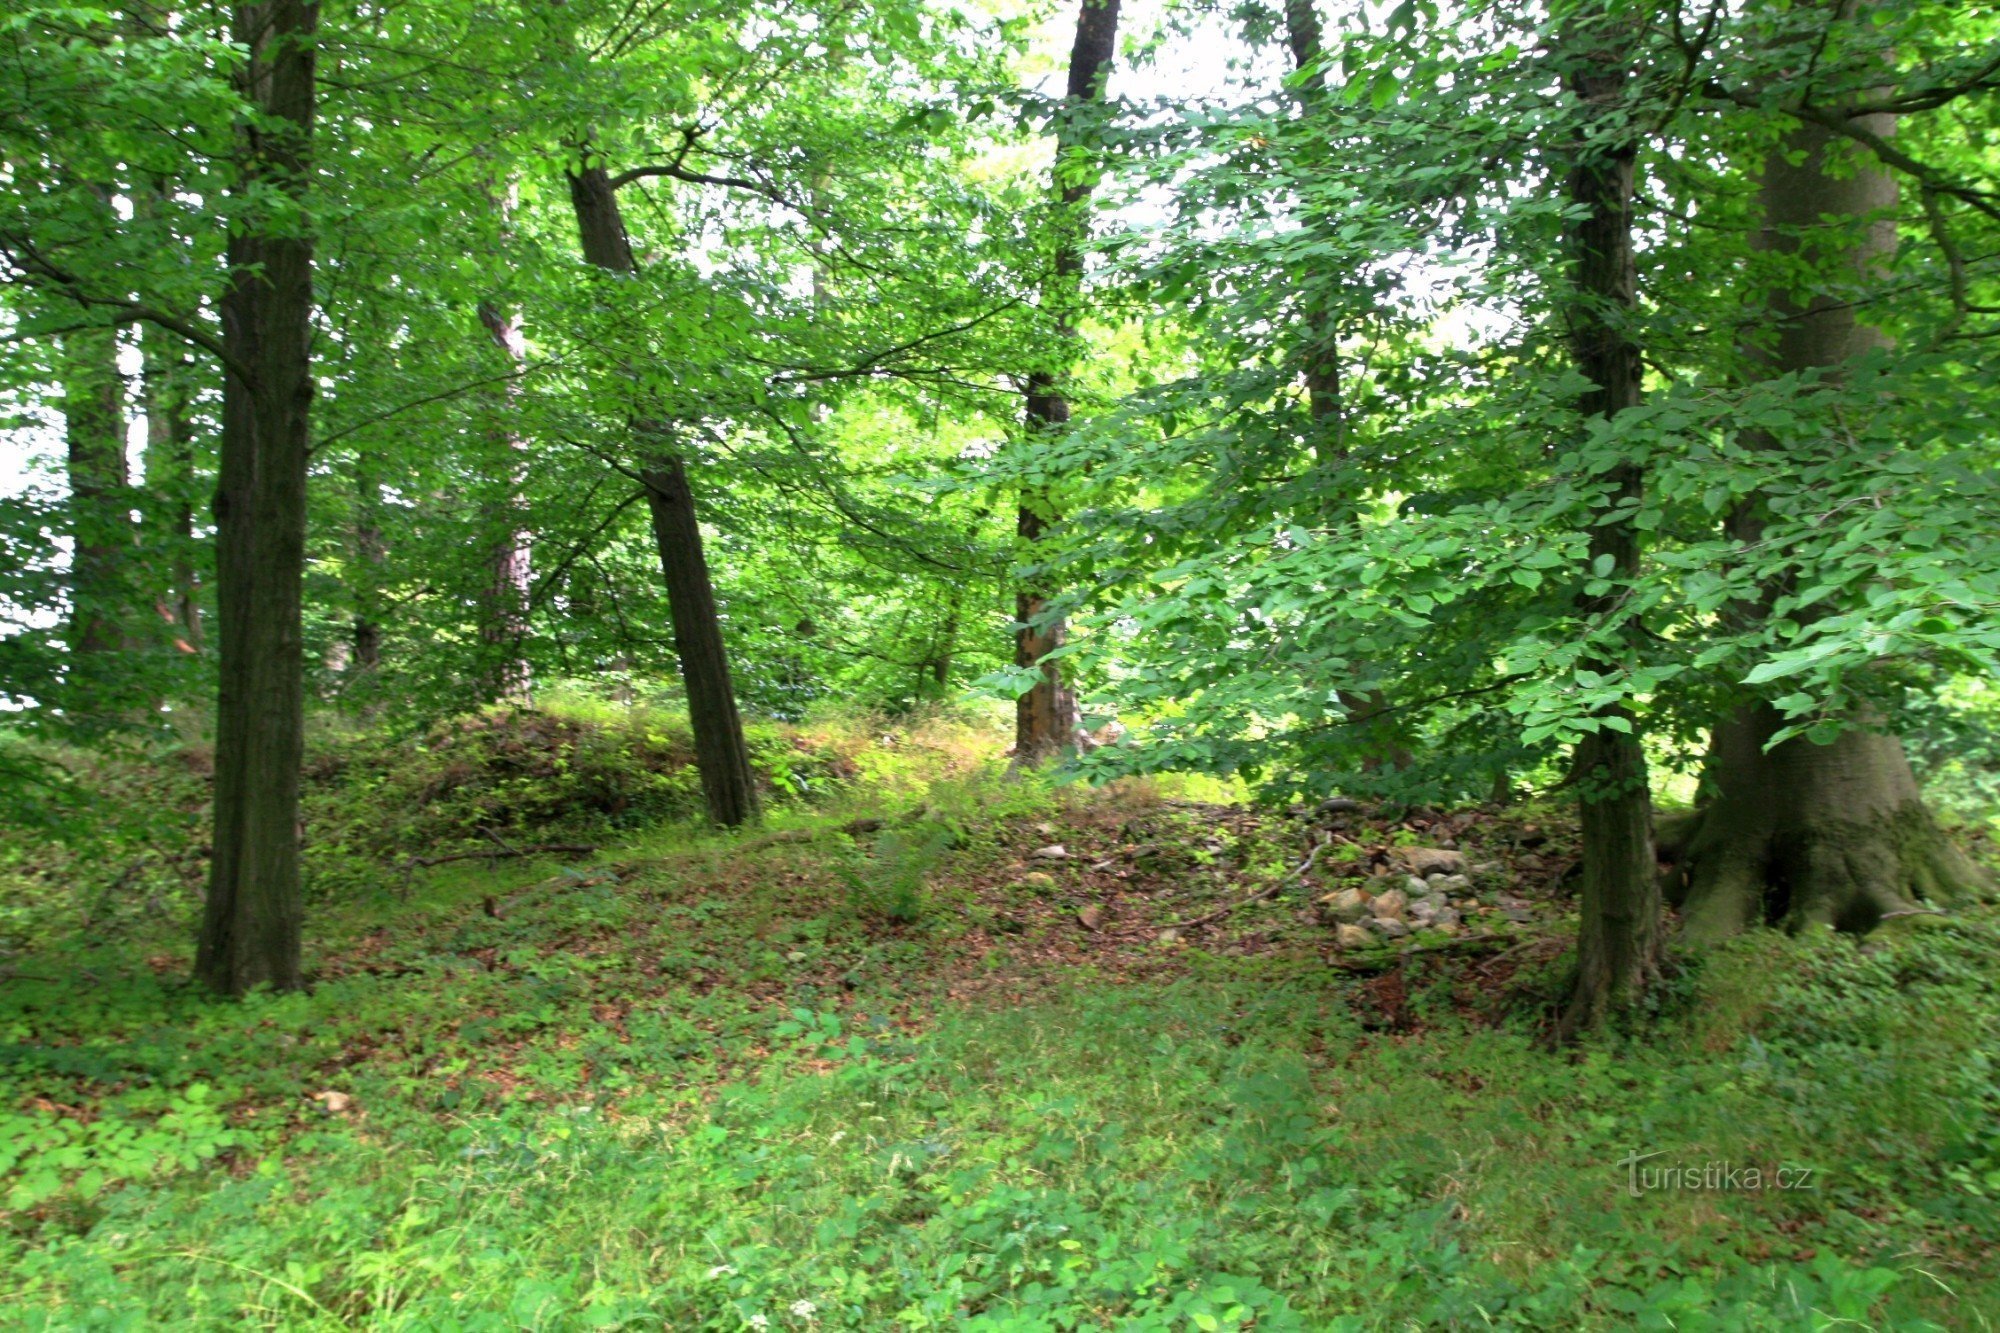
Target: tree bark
100,504
371,556
722,756
1047,718
503,624
1619,937
1805,833
250,930
170,477
1368,712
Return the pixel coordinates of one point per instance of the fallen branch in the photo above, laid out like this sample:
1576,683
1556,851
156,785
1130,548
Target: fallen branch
852,828
1270,891
501,853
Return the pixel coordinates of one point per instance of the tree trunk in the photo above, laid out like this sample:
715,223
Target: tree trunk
170,477
251,921
1368,712
1046,718
504,614
371,554
721,753
1804,833
1619,938
100,505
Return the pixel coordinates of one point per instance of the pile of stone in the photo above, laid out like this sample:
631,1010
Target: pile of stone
1431,899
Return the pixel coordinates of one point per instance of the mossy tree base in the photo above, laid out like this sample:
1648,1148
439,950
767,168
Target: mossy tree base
1803,835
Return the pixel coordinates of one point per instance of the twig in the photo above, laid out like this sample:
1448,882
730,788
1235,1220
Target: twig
1260,895
502,853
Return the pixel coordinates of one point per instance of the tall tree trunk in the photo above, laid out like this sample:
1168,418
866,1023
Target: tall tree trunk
721,754
1803,833
371,555
1367,711
503,623
166,389
250,930
1046,718
100,503
1619,939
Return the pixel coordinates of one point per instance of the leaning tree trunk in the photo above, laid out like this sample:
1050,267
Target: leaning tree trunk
1805,833
722,756
1046,718
1618,941
251,921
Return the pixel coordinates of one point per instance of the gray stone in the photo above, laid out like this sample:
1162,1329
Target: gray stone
1423,860
1352,937
1417,888
1387,928
1343,906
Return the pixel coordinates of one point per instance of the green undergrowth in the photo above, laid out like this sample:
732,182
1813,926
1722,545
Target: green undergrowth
806,1078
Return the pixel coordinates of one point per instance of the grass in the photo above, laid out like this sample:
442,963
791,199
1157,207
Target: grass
870,1082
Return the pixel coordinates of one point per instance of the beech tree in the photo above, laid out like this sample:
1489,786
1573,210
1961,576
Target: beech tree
1046,717
251,919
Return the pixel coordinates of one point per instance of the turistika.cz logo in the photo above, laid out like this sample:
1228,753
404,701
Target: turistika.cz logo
1714,1176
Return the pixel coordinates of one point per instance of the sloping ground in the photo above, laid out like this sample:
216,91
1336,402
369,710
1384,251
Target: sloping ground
887,1066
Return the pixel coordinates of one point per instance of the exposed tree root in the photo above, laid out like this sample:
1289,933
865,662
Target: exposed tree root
1811,835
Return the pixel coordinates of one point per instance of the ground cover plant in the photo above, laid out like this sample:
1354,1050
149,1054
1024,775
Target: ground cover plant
1029,664
870,1068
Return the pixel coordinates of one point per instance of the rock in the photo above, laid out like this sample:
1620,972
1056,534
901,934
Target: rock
1423,911
1387,928
1339,805
1458,884
1448,929
1445,916
1091,917
1345,906
1046,829
334,1103
1039,881
1423,860
1170,935
1389,906
1352,937
1416,887
1055,851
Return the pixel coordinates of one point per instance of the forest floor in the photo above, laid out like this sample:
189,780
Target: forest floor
881,1064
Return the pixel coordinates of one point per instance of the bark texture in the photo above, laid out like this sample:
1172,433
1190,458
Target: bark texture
1807,834
1047,719
100,502
250,931
721,754
1618,941
166,392
1802,835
